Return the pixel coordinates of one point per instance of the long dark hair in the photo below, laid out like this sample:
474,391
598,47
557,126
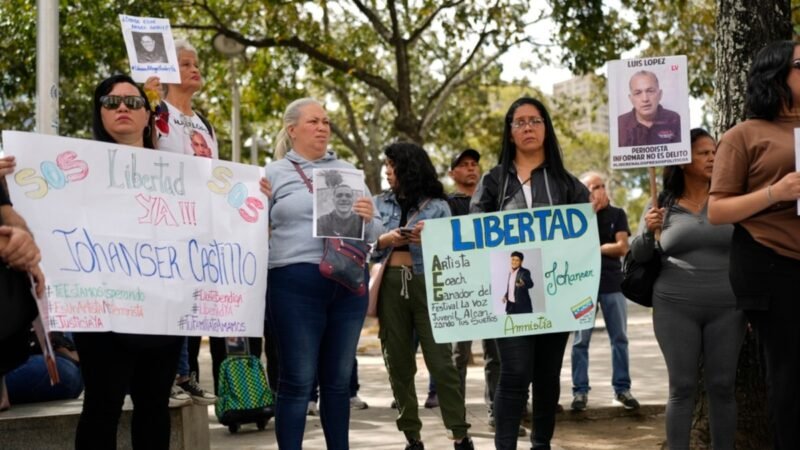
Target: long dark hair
552,150
673,176
105,86
767,90
416,177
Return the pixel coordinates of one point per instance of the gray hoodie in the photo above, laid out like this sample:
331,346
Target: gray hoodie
291,211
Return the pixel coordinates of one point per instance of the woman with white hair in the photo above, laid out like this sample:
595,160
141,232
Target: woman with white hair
176,121
314,321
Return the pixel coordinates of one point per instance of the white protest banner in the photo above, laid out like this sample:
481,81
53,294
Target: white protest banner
648,110
151,49
136,240
797,159
514,273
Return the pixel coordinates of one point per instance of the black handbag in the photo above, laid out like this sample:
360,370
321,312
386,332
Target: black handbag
639,277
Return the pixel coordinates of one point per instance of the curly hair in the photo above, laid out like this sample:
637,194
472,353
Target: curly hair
673,179
99,130
414,172
767,90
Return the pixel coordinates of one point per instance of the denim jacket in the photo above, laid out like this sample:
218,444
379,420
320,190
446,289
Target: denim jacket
390,213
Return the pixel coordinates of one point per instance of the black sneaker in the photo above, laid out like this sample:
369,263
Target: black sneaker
579,401
197,393
432,401
465,444
414,444
626,400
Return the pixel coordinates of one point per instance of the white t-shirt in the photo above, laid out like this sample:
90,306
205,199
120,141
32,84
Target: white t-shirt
179,133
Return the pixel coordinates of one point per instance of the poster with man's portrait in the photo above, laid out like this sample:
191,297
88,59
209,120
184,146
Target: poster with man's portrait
335,193
151,48
648,109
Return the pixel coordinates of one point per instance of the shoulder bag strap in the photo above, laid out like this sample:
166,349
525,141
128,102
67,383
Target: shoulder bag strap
309,183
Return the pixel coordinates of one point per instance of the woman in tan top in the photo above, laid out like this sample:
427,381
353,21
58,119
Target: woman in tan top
755,186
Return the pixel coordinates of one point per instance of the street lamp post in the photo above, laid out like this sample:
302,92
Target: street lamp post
232,49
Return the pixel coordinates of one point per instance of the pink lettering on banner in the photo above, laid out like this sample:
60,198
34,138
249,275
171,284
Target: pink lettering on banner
214,296
156,211
76,322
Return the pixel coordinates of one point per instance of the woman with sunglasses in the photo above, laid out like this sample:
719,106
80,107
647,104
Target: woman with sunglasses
115,364
531,174
755,186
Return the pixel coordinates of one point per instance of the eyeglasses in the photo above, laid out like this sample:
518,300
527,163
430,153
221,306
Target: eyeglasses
113,101
522,123
344,195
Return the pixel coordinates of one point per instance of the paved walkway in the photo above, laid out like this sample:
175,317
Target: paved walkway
374,428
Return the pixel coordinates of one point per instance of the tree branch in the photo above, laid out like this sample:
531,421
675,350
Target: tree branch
373,18
427,21
302,46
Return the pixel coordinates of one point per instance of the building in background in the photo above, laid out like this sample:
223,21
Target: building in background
588,96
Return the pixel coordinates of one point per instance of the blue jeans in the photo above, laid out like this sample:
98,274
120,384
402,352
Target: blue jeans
354,386
183,360
615,313
316,323
30,382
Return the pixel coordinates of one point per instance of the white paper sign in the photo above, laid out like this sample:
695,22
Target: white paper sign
648,108
797,159
151,49
335,192
143,241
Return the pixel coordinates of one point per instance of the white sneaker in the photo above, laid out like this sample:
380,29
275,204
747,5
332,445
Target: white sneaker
177,397
312,409
357,403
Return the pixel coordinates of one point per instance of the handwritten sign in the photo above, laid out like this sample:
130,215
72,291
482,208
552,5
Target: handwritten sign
151,49
142,241
648,107
515,273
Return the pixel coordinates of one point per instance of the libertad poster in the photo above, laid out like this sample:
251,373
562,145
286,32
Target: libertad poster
515,273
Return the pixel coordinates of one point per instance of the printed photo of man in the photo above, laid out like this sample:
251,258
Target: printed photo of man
517,297
648,123
342,221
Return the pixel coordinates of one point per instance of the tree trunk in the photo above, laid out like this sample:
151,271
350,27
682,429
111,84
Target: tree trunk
743,27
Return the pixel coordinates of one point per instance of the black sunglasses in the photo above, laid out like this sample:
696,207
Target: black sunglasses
113,101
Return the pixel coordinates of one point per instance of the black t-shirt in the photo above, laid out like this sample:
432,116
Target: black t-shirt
459,204
4,200
610,221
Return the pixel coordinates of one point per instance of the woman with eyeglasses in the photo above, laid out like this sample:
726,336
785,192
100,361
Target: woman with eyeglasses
755,186
531,174
115,364
694,310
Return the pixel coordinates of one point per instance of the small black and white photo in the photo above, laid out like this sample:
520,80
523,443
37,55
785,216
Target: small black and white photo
149,47
335,193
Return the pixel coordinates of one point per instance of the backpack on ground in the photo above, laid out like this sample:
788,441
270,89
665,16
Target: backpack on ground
243,393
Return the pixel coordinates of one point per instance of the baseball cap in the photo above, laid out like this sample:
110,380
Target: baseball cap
468,152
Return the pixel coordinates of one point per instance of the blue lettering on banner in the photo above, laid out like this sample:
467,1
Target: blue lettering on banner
220,263
519,227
